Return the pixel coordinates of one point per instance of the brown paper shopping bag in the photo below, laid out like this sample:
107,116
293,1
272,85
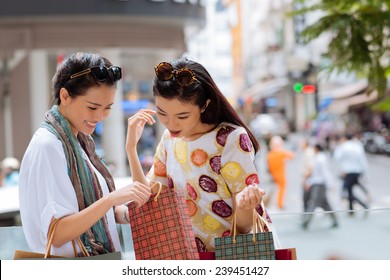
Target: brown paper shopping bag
23,255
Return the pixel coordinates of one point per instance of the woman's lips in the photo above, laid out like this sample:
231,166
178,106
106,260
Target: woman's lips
90,125
174,133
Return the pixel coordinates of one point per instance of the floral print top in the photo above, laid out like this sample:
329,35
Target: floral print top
208,169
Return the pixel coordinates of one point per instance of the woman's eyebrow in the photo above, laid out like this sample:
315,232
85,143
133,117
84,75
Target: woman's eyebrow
93,103
179,114
97,104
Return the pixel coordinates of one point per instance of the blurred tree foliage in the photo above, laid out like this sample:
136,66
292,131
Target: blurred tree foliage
360,43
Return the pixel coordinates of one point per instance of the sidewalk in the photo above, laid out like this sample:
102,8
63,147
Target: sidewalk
361,237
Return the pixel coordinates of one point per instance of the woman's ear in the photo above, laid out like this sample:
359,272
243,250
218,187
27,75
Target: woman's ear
205,106
64,96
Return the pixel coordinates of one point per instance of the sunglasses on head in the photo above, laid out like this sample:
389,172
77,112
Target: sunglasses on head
184,76
101,73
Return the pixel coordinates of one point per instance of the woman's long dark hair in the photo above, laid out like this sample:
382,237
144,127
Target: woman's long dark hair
219,109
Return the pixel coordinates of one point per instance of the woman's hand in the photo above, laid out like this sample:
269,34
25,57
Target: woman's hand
135,126
249,197
138,192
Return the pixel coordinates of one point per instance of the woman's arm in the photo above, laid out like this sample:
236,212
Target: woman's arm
72,226
135,128
246,194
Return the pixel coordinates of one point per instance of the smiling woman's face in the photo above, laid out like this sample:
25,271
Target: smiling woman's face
181,119
85,112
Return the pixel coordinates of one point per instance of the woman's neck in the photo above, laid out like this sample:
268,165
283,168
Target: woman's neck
204,129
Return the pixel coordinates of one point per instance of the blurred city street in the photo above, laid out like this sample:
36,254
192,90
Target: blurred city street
361,236
377,181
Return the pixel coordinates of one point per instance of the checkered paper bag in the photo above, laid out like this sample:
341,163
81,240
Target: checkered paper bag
258,245
161,228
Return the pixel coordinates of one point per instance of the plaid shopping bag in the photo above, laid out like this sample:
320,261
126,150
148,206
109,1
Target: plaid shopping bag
258,245
161,228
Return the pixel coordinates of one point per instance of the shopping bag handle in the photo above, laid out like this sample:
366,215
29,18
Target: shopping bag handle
50,237
261,223
159,189
52,229
258,223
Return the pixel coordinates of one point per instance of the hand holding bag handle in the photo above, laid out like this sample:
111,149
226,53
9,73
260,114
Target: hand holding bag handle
155,198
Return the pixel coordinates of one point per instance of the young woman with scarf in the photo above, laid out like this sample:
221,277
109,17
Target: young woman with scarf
62,177
206,150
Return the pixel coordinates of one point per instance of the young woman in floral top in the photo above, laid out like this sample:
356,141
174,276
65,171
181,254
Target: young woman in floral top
206,151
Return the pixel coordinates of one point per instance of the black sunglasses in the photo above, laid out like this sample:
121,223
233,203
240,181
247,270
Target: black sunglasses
184,76
101,73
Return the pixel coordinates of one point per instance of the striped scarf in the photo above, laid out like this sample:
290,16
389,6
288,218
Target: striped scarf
97,239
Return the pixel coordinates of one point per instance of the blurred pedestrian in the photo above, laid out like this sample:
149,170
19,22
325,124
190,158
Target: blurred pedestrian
363,179
352,161
308,155
9,175
276,160
318,181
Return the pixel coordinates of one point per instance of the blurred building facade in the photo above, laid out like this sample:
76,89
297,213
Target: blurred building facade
250,47
36,35
276,59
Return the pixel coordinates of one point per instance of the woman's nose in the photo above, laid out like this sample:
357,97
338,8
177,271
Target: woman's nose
99,115
171,123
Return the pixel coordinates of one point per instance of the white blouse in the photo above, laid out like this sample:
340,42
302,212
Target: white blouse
45,191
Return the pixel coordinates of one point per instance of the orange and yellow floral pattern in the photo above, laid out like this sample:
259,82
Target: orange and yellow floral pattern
209,170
